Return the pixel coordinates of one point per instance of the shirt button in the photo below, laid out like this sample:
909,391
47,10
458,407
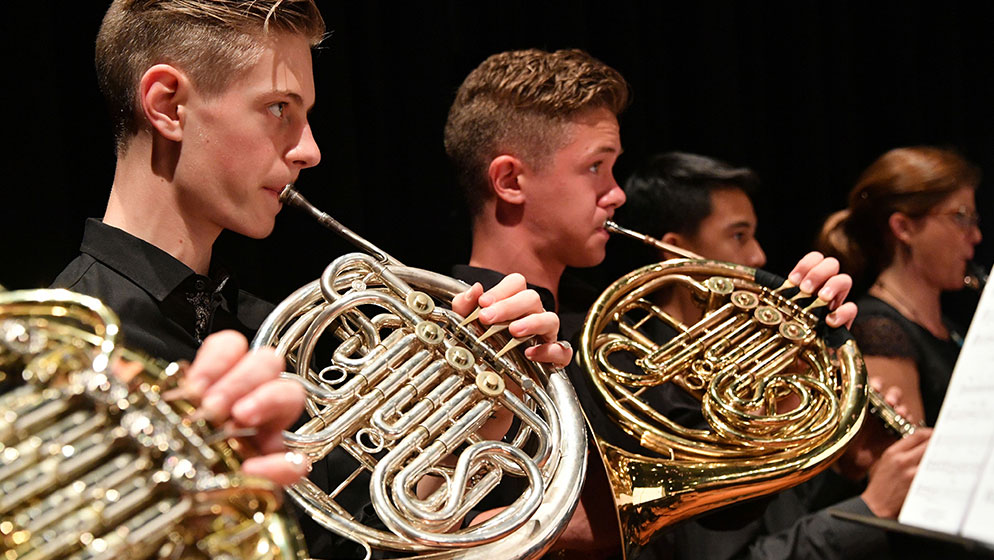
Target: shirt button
200,284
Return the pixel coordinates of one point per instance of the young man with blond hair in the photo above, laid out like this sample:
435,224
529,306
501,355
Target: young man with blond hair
189,86
533,137
209,105
209,101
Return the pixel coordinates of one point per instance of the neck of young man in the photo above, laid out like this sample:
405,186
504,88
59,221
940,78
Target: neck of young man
146,204
506,251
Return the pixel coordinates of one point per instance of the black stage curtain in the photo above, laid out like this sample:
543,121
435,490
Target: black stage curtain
806,93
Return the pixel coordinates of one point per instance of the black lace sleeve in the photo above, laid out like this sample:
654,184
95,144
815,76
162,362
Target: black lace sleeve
883,336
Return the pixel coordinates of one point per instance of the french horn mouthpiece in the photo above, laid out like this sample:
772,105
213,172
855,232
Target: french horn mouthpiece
612,227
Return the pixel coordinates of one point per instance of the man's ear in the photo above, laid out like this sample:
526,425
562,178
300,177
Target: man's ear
677,240
162,92
503,172
674,239
902,226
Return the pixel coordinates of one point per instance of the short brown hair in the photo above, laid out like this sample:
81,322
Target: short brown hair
518,102
210,40
911,181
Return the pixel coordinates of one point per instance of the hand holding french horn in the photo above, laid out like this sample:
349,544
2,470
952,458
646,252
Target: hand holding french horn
245,388
418,406
511,302
173,458
779,396
815,273
107,453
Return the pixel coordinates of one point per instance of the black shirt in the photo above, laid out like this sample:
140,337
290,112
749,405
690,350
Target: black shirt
165,308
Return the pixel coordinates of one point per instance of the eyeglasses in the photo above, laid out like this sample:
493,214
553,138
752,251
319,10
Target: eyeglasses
962,217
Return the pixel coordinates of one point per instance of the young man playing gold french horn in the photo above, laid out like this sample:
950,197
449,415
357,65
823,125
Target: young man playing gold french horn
702,204
210,101
534,137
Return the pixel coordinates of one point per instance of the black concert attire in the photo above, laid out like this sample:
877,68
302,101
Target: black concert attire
166,309
881,330
796,523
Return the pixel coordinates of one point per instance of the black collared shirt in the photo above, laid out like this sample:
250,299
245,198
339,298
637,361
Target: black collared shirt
166,309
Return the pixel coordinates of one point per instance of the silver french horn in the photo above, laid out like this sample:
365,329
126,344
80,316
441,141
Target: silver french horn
407,391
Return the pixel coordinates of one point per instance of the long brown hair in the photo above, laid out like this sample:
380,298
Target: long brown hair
908,180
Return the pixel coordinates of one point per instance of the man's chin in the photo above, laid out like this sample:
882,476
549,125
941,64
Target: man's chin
260,230
588,260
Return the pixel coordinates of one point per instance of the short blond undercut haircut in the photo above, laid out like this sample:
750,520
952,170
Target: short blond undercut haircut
519,103
212,41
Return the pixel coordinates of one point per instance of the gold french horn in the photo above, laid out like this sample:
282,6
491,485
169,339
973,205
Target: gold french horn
405,392
97,462
779,399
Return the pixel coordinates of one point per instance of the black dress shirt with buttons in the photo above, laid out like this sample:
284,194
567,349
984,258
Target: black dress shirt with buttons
166,309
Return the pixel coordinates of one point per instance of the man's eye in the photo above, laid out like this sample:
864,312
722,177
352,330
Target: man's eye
595,167
277,109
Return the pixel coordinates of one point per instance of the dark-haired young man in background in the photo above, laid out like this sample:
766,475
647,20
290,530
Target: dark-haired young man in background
703,204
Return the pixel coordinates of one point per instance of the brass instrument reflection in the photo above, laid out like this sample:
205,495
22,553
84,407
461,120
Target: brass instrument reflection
780,397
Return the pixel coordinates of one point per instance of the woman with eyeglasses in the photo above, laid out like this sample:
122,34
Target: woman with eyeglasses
908,233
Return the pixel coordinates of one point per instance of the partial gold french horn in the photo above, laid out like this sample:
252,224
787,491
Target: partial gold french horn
97,463
779,399
404,390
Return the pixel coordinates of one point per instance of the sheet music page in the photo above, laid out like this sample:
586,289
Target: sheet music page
979,523
953,491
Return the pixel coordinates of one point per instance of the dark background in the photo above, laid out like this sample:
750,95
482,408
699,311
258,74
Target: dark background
806,93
